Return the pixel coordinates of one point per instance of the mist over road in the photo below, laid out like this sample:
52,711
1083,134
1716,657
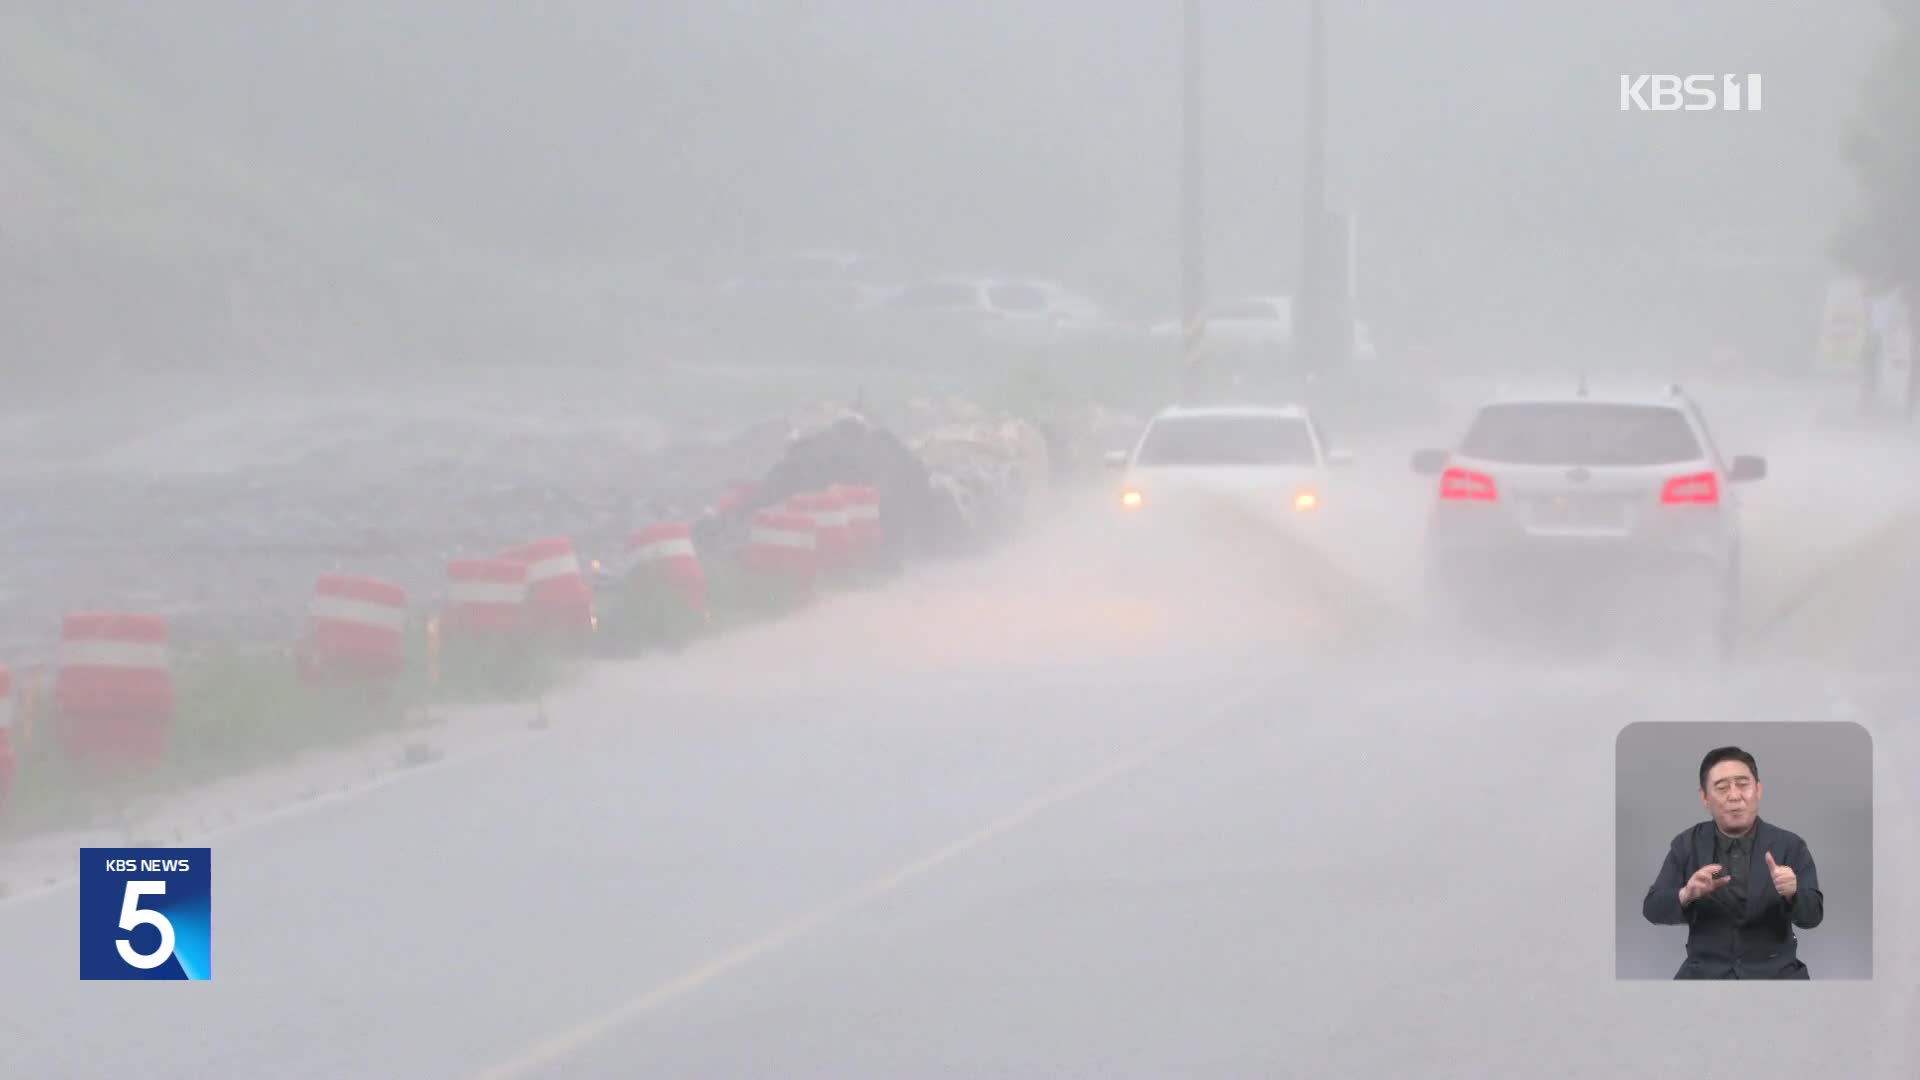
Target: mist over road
1206,802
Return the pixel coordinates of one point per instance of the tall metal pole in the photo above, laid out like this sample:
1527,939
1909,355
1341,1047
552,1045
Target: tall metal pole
1193,219
1310,329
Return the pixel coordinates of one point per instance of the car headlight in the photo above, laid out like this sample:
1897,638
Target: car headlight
1130,499
1305,500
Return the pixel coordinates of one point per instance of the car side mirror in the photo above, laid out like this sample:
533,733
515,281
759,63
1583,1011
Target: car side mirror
1339,458
1115,459
1430,462
1747,468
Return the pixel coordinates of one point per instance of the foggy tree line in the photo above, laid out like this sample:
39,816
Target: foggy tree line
1882,148
1500,196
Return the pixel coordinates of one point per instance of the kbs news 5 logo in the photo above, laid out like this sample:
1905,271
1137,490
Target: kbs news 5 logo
146,913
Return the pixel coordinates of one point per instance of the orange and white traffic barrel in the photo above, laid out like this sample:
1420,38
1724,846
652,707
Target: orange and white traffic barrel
113,687
733,495
558,597
666,551
833,537
6,734
782,546
356,628
485,597
862,506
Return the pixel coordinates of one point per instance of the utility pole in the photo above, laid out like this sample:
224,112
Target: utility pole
1193,193
1311,336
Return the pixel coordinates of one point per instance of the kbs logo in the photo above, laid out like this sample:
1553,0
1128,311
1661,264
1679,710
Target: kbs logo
146,913
1689,93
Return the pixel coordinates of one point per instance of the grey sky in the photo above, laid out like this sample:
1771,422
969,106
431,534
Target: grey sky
1504,200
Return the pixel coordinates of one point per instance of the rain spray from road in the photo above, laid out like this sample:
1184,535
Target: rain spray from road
1182,787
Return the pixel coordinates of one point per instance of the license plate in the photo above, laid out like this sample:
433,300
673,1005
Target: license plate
1569,512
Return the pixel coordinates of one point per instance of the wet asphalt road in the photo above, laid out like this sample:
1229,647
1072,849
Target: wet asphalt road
1373,887
1375,866
1177,845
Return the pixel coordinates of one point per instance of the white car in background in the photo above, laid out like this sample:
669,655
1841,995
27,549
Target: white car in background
1255,323
1274,459
812,280
1021,310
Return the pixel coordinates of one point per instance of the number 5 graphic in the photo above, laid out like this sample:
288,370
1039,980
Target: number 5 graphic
132,915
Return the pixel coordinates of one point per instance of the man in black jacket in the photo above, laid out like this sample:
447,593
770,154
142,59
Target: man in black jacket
1739,884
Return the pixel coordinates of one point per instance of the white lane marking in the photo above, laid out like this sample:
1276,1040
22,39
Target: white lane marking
597,1027
512,740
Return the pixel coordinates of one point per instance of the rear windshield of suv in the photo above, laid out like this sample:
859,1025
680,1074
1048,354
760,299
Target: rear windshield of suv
1228,440
1581,433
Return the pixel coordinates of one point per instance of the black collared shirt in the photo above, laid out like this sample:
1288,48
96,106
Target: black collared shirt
1735,853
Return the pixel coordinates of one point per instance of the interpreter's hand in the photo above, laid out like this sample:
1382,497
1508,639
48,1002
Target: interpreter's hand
1785,881
1704,880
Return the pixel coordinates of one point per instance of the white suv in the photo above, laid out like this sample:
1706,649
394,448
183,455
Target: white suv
1275,455
1572,503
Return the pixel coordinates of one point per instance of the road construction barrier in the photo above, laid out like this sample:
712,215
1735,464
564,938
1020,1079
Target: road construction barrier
862,506
665,552
356,630
110,692
559,600
733,496
113,688
665,598
782,549
833,539
26,694
6,735
485,598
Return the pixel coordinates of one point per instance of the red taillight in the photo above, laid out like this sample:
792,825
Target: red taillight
1465,484
1699,489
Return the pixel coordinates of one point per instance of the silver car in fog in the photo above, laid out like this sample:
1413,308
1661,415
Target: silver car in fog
1579,507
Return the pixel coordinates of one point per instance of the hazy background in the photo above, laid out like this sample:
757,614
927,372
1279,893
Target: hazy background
1072,805
298,179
